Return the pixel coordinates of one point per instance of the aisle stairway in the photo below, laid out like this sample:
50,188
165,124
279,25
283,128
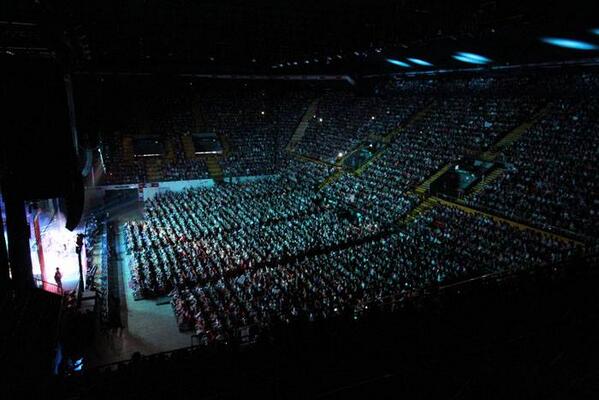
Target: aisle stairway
506,141
424,187
485,181
153,167
513,135
331,178
214,168
419,210
371,160
224,141
303,125
169,150
128,152
388,138
188,147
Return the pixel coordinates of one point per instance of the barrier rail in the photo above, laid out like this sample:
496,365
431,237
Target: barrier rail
47,286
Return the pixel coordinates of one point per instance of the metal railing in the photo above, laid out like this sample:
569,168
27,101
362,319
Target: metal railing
48,287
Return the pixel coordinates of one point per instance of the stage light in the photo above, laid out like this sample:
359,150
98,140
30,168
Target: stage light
262,112
398,63
569,43
78,365
372,117
595,31
319,119
418,61
471,58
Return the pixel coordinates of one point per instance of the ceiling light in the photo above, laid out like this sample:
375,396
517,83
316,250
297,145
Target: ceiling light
569,43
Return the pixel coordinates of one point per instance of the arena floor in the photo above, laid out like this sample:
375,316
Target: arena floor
148,328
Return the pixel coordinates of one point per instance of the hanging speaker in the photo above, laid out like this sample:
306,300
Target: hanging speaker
38,144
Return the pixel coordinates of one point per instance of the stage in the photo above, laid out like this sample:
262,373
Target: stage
53,246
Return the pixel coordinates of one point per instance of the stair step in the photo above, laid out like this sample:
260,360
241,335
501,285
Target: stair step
303,125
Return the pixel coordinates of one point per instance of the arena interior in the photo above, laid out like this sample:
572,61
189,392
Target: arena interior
314,200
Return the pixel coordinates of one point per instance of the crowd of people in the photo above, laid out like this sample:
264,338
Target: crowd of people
551,171
118,167
344,119
239,261
257,125
310,239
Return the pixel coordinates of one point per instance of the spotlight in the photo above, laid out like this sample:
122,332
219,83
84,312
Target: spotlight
569,43
418,61
398,63
471,58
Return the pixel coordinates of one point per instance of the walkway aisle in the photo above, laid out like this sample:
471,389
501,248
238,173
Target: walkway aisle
147,328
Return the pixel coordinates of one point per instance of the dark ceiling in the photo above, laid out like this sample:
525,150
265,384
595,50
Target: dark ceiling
288,37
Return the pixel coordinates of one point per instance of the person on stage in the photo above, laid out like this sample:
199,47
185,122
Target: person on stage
58,279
